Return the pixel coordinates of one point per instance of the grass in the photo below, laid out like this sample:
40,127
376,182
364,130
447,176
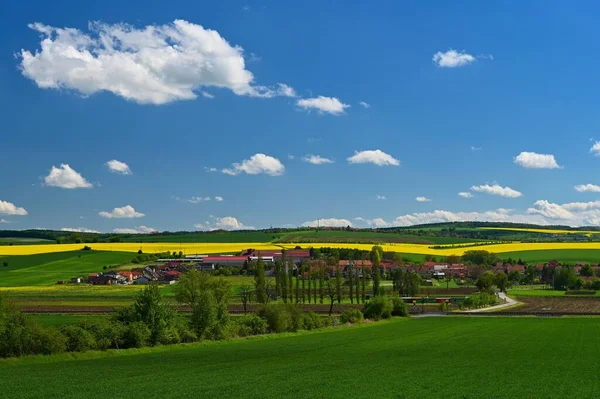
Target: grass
48,268
24,241
479,358
562,255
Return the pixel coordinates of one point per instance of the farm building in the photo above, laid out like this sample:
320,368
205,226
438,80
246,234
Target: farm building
236,261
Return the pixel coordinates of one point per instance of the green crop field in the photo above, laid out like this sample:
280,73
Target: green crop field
48,268
24,241
418,358
562,255
208,237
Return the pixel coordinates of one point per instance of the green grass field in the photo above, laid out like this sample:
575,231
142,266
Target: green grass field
48,268
24,241
200,237
418,358
562,255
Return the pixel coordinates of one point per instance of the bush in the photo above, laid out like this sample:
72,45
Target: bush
352,316
107,334
86,248
399,307
479,300
78,339
277,316
378,308
136,335
251,324
595,284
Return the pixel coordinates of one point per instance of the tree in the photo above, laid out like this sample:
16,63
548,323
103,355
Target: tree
514,277
486,281
150,309
586,270
501,281
331,293
245,296
5,264
479,257
375,255
451,259
260,282
349,273
338,283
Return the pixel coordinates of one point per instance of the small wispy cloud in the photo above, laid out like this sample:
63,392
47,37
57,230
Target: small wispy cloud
364,104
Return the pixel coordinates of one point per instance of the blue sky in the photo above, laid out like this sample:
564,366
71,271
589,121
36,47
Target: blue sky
496,100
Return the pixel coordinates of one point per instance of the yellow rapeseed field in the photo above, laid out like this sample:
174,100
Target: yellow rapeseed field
196,248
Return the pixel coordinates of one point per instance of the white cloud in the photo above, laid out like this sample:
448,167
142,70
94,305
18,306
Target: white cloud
218,199
224,223
4,221
581,206
285,90
376,157
534,160
452,58
65,177
584,188
422,199
496,189
79,230
208,95
206,168
381,197
197,200
8,208
465,194
550,210
119,167
316,159
475,149
125,212
365,104
291,157
377,222
330,105
330,222
596,149
257,164
155,64
137,230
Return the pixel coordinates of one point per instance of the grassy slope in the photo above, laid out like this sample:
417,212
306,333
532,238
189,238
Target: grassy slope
48,268
562,255
493,357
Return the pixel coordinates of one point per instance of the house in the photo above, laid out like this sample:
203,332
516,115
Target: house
102,280
143,280
233,261
76,280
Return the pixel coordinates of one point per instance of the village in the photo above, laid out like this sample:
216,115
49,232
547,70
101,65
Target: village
168,270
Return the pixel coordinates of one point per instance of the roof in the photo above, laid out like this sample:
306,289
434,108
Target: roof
225,259
298,253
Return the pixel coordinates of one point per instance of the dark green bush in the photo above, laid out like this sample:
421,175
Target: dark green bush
351,316
78,339
251,324
136,335
399,307
378,308
277,316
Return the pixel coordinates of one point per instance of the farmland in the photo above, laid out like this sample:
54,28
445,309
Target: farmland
48,268
202,248
334,363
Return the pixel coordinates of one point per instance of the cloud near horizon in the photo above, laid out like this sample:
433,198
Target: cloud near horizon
126,212
10,209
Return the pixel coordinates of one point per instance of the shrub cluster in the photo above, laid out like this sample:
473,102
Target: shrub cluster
479,300
384,307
